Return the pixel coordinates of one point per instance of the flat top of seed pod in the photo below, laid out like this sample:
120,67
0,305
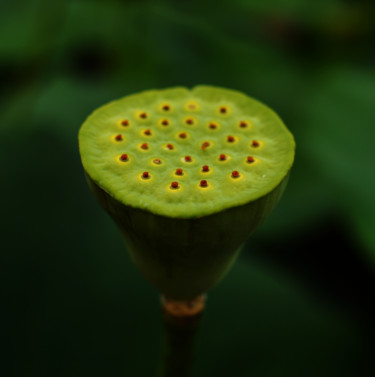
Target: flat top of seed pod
186,153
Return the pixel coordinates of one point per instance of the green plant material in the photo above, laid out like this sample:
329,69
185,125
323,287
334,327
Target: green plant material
345,155
187,175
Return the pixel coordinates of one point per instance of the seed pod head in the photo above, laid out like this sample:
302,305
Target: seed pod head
186,204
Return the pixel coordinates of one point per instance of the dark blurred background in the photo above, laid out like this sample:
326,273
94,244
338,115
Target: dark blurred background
298,300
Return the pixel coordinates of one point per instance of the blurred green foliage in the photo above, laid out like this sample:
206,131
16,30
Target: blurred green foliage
76,306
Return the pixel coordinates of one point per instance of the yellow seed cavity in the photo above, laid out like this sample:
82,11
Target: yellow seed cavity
174,189
122,126
146,132
164,122
236,179
230,139
169,147
182,135
213,125
190,121
245,124
156,161
115,138
144,147
192,106
165,108
250,164
206,144
123,162
206,173
142,115
226,160
223,110
256,144
189,160
145,180
207,188
176,176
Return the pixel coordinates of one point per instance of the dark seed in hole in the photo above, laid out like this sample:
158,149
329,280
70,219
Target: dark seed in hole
235,174
203,183
243,124
230,139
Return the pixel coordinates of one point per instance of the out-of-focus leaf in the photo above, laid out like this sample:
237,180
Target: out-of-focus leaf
25,29
63,104
339,137
274,328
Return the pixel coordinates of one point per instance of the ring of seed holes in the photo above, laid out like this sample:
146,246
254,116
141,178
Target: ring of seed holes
190,121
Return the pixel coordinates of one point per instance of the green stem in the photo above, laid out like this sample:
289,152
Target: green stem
181,322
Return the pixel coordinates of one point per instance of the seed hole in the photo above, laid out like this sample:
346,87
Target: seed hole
250,159
189,121
118,137
223,110
124,157
144,146
147,132
255,143
230,139
182,135
235,174
157,161
203,183
205,168
166,108
205,145
165,122
179,171
222,157
143,115
125,122
174,185
243,124
145,175
170,146
188,158
213,126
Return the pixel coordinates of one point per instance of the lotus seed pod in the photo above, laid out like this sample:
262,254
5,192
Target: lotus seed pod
187,175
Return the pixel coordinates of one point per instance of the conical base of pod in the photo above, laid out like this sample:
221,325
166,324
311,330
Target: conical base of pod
183,258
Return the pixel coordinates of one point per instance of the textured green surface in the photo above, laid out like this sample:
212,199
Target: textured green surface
191,113
185,257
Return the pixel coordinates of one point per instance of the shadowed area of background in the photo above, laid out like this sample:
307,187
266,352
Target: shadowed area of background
298,301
